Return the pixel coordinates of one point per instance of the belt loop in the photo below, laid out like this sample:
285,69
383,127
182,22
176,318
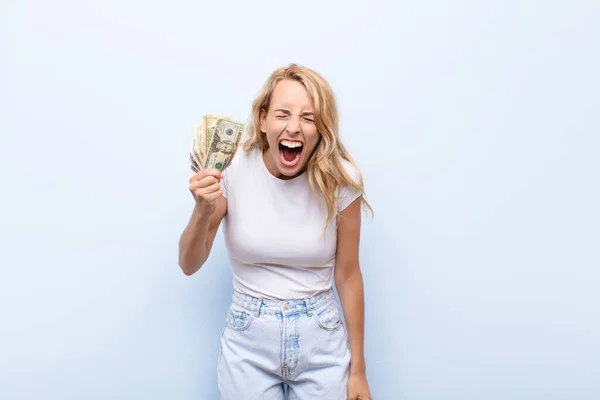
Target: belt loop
309,307
258,306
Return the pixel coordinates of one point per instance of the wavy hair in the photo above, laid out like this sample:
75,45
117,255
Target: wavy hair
326,174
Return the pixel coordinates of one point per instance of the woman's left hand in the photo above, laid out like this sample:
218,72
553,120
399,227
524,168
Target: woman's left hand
358,388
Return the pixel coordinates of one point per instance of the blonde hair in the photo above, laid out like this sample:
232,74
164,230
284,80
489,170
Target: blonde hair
326,174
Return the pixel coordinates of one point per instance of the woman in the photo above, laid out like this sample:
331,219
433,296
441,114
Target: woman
291,205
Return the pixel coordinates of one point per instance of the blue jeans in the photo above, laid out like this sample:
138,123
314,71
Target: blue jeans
267,344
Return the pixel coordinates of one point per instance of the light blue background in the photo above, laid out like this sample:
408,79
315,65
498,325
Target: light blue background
475,125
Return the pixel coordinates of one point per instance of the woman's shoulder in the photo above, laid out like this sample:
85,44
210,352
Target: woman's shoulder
351,170
242,163
348,193
240,157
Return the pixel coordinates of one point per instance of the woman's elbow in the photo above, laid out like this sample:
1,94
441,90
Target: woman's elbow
347,272
189,268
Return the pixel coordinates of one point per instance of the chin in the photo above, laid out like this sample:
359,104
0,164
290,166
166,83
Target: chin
289,171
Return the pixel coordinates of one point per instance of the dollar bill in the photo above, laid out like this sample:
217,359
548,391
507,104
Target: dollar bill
209,122
195,167
224,143
215,151
199,146
195,163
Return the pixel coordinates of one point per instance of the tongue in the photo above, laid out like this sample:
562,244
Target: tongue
289,154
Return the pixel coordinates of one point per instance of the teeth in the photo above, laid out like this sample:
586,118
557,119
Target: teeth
291,145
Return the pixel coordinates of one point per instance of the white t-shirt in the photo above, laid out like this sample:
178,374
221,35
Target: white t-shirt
274,230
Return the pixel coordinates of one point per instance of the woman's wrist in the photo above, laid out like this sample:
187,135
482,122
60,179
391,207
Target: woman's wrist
358,367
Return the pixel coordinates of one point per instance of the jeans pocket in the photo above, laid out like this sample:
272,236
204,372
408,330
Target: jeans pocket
238,319
328,317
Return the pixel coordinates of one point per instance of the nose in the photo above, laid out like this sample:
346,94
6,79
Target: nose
293,125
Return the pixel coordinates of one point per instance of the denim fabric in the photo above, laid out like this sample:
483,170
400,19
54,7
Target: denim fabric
267,344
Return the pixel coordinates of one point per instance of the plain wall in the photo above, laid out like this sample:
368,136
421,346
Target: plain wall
476,128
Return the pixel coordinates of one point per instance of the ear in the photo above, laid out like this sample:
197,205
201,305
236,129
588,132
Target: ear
262,119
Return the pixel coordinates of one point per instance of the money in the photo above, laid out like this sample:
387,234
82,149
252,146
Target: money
223,144
194,161
198,147
215,142
209,122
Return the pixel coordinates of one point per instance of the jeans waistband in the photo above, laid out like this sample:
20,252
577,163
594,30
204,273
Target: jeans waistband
258,305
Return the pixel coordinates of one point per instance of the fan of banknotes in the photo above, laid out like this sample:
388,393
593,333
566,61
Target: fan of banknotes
215,143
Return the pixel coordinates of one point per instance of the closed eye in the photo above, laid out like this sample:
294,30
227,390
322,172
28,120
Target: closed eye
308,116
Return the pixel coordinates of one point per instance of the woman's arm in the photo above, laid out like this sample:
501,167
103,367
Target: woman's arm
349,283
197,238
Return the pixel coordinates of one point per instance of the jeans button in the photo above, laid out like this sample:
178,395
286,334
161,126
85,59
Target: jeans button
285,306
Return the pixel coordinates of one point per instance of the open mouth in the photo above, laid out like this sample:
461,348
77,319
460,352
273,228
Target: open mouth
290,152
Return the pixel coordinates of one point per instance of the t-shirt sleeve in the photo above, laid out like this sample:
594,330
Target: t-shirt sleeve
347,193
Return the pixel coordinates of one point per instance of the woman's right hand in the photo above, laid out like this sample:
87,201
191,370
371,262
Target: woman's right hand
206,188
